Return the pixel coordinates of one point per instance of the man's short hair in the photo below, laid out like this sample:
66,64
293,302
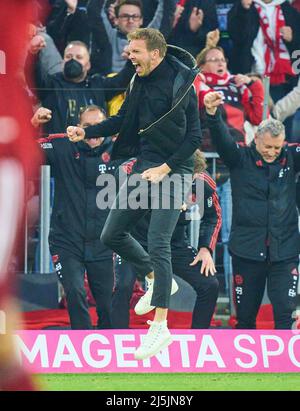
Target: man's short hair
136,3
201,57
78,43
91,107
154,39
272,126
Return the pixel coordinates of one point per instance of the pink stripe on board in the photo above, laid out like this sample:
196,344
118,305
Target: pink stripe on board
191,351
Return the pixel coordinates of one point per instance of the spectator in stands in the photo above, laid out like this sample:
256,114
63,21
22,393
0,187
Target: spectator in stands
64,93
264,240
187,262
158,123
112,40
288,105
195,20
68,21
50,59
77,222
242,100
265,34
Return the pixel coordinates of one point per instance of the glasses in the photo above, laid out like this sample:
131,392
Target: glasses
215,60
134,17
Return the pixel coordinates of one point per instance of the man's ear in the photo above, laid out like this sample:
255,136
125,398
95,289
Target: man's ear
155,54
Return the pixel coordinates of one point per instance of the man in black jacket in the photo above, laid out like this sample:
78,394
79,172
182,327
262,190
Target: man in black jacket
159,124
64,93
77,222
264,240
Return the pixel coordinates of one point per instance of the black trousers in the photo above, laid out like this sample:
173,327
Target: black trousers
206,288
250,280
70,271
122,218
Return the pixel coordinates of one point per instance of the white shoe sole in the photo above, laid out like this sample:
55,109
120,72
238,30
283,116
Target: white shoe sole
143,310
144,356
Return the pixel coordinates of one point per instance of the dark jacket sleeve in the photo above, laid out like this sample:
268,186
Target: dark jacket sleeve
243,27
226,147
110,126
295,150
211,219
167,17
64,27
194,41
193,136
210,22
292,19
118,83
48,150
240,22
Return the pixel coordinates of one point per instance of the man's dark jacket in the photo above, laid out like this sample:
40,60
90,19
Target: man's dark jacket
171,135
264,216
76,221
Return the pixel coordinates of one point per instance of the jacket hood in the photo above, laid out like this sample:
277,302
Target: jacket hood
182,55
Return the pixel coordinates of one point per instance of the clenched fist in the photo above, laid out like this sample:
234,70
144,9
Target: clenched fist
41,116
75,134
212,100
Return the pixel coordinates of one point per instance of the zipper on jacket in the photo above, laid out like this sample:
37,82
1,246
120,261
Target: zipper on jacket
173,108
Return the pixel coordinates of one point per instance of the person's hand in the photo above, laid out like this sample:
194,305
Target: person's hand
183,207
37,43
75,134
246,4
125,53
287,33
72,5
111,12
208,265
196,19
177,14
241,79
156,174
212,100
212,38
41,116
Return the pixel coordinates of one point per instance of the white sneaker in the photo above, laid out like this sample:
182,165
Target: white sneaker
157,338
143,306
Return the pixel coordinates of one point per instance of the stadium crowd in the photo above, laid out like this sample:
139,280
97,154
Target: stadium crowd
80,60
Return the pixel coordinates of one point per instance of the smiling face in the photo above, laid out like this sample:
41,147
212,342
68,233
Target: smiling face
269,147
215,63
143,60
92,118
129,18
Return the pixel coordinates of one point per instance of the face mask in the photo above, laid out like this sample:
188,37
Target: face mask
72,69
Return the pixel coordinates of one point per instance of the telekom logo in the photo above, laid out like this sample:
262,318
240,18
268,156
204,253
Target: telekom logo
2,62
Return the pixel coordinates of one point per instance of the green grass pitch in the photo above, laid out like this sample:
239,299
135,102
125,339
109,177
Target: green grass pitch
170,382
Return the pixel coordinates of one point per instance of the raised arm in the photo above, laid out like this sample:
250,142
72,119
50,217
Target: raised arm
226,147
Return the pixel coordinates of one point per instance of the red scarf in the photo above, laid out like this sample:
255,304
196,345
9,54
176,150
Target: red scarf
280,66
217,80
